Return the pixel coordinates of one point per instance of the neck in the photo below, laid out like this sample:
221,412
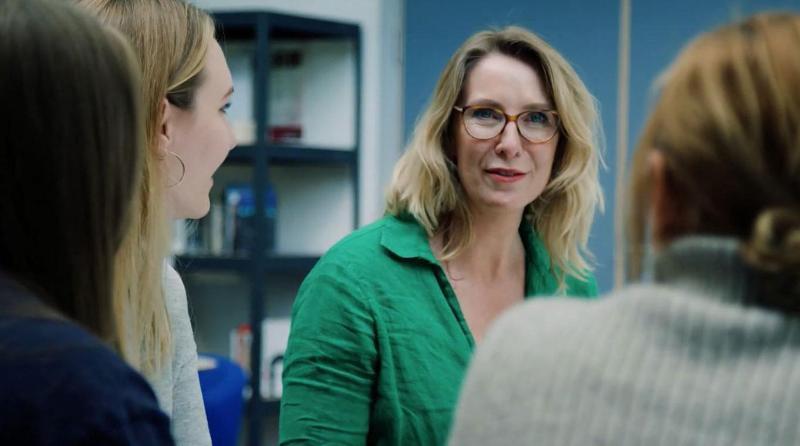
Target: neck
495,250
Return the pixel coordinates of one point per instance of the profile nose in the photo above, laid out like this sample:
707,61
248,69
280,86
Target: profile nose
232,142
510,144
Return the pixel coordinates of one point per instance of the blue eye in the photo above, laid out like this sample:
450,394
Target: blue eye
485,114
225,108
538,118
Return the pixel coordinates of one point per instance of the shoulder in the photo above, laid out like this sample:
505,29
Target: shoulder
362,253
62,377
581,287
342,280
365,240
545,273
176,301
556,328
174,291
554,342
555,314
76,355
542,356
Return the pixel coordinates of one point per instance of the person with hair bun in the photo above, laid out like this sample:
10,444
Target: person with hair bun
708,353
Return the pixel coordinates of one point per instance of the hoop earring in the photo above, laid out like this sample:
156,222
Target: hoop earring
183,169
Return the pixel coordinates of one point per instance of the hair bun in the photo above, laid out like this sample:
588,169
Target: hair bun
774,244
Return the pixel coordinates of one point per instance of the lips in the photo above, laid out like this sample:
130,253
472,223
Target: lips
508,173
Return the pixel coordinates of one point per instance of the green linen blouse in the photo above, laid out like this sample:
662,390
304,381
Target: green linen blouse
378,345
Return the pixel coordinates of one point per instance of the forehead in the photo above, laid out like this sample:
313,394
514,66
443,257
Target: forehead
505,80
216,72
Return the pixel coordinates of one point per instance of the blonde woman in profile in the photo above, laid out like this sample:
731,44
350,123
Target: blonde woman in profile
70,148
709,353
186,91
492,202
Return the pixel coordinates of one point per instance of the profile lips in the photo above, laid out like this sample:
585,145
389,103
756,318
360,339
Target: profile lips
505,172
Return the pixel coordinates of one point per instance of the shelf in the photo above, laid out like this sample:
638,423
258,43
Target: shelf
295,27
241,155
283,154
290,264
273,264
242,25
269,407
288,154
307,178
194,264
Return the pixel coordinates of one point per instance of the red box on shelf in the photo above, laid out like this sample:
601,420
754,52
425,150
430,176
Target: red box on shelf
285,133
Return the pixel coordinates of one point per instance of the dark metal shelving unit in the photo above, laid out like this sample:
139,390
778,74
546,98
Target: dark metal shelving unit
291,154
195,264
262,27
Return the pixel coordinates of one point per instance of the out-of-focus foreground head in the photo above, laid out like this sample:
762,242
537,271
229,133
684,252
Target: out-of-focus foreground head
70,151
727,125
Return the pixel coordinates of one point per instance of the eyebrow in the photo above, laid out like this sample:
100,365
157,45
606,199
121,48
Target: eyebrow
228,94
531,106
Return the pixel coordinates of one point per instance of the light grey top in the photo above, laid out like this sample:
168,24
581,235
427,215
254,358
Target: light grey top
178,385
686,361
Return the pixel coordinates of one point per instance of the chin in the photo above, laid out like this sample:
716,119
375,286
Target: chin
194,211
202,211
505,202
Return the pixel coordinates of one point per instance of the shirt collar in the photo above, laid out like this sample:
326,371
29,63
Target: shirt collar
404,237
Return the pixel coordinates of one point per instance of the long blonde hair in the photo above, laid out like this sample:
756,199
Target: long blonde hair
727,121
426,186
170,38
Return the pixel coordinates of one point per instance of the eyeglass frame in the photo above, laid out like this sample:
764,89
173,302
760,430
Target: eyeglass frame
508,118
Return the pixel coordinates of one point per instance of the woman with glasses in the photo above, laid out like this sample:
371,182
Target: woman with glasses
492,202
709,353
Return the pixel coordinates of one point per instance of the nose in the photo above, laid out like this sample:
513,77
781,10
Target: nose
510,144
231,140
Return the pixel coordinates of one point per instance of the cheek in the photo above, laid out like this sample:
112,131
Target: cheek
456,151
209,136
468,149
469,159
212,142
218,133
544,157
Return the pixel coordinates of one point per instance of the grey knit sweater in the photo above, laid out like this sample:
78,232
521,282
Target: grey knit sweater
685,361
177,385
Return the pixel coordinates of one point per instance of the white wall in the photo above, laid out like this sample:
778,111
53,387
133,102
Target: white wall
381,23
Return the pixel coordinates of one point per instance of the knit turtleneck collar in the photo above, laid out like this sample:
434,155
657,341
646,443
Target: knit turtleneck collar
708,264
713,267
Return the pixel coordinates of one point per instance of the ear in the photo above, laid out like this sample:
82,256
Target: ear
665,205
166,126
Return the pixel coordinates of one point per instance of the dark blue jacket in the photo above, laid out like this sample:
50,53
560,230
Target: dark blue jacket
59,385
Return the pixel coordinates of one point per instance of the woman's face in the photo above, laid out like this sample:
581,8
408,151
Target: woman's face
507,172
201,136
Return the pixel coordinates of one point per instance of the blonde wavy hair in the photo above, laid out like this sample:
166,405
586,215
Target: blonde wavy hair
170,39
727,121
425,183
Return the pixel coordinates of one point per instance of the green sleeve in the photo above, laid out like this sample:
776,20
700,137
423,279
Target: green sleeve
329,365
581,288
